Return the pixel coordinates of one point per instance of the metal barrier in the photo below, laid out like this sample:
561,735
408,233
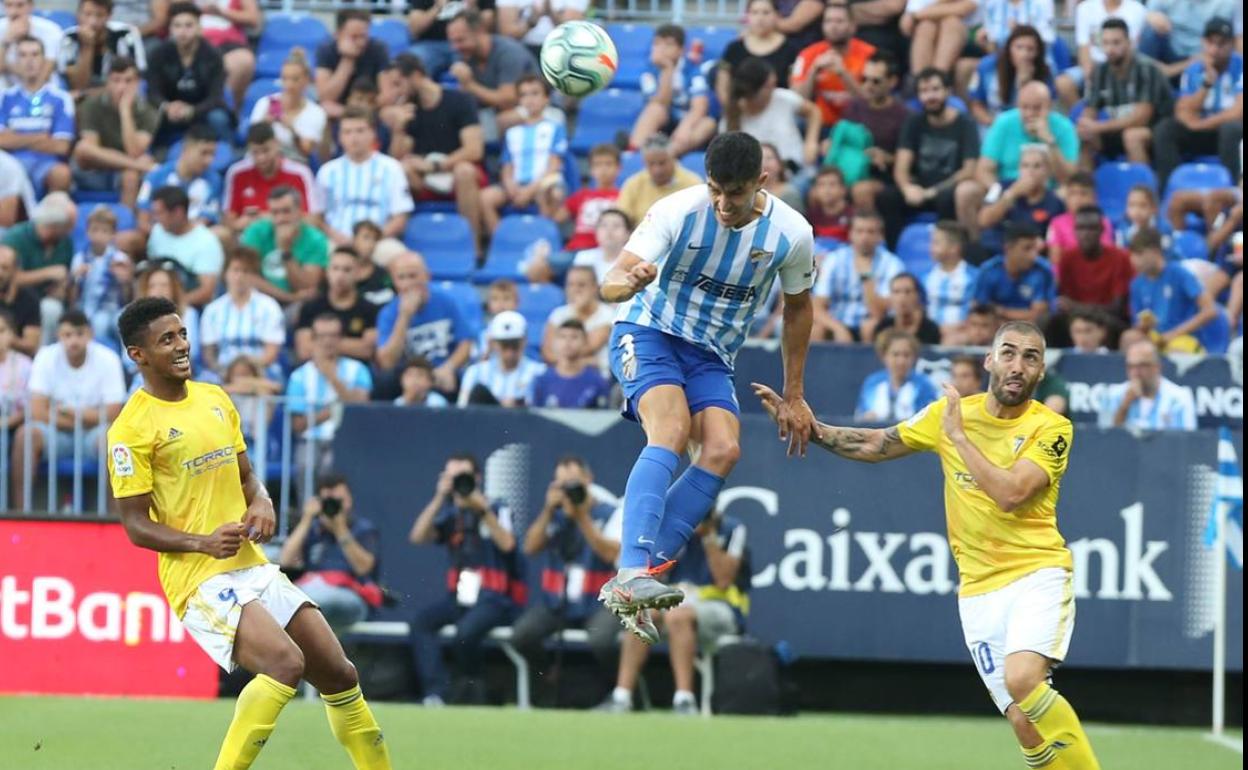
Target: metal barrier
680,11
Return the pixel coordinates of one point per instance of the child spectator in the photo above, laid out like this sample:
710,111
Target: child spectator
14,374
371,281
532,159
1080,192
1141,211
828,207
951,281
612,233
778,176
252,393
1019,284
678,97
506,377
571,382
966,375
1089,329
1168,303
898,391
1026,201
416,381
103,277
587,204
583,305
243,322
502,296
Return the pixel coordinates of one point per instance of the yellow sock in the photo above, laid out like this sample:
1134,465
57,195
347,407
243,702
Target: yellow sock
1042,756
1057,722
353,725
255,715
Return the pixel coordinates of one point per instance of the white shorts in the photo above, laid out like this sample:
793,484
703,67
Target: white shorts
1035,613
213,611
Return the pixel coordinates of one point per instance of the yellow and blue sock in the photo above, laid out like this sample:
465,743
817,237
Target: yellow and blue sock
688,502
1057,722
352,723
255,716
643,504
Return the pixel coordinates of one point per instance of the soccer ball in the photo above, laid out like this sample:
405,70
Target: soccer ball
578,58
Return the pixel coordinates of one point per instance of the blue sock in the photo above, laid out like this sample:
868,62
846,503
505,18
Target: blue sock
688,502
643,504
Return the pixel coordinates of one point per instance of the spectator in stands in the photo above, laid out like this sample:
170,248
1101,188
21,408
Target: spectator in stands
1173,33
661,177
362,184
243,322
1094,274
250,182
771,114
1209,116
981,325
488,69
716,604
350,54
14,372
340,297
73,382
422,321
778,173
530,21
584,305
852,290
800,21
532,159
1147,400
192,172
1126,96
1027,200
1000,18
1141,211
38,120
937,32
998,79
185,80
611,233
188,244
16,191
226,27
163,278
568,538
1213,206
252,395
427,21
20,21
827,205
501,296
898,391
950,284
483,584
293,252
1080,191
966,375
1089,331
89,48
677,96
337,552
883,115
574,379
416,382
371,279
102,277
20,303
761,37
587,204
112,151
506,377
936,154
299,123
1168,303
907,311
45,250
830,71
1019,283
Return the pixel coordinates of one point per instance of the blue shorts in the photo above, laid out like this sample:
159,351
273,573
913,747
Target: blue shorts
642,358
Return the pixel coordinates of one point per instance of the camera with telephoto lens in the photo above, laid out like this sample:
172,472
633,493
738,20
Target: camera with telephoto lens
464,484
576,492
331,506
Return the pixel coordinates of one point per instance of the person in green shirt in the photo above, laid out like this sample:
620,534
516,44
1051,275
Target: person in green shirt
115,129
44,253
293,253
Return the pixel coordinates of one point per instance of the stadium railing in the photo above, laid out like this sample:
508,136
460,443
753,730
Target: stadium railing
678,11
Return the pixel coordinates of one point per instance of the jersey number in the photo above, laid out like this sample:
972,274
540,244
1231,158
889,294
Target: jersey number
628,357
983,658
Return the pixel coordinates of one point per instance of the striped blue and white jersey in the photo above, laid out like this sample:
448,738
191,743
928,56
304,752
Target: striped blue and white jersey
879,402
372,191
949,293
242,331
529,148
309,392
840,286
514,385
1172,408
712,278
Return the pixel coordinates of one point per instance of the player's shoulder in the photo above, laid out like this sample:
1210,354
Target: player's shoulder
684,201
1048,419
790,221
134,421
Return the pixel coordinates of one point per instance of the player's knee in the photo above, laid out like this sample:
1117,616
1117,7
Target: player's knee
720,455
342,674
1021,681
288,666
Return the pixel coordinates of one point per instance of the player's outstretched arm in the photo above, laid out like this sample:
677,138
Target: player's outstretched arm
868,445
793,414
154,536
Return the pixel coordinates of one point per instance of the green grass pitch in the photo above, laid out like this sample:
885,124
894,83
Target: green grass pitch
108,734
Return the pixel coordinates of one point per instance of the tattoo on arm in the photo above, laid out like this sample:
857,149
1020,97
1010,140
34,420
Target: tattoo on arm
864,444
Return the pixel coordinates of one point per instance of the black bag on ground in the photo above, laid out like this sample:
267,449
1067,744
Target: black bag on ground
749,680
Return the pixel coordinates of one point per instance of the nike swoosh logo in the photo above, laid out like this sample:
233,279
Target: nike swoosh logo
644,541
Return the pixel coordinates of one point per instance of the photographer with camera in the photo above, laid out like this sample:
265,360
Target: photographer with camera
483,586
578,557
338,553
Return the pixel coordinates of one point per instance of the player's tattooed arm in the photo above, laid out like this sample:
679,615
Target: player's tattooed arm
868,445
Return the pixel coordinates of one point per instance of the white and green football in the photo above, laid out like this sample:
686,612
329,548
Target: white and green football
578,58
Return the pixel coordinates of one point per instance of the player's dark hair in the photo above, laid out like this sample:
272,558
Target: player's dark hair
955,232
467,457
260,133
172,197
1145,239
136,317
331,479
200,132
348,15
1020,327
931,73
673,32
734,157
121,64
177,9
1116,23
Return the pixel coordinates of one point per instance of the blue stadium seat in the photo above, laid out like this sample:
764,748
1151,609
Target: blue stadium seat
630,163
1189,245
469,301
393,33
445,241
1060,53
602,115
283,31
914,248
824,245
628,76
632,43
1115,180
269,64
537,300
63,19
515,234
1198,176
695,161
88,197
224,158
714,39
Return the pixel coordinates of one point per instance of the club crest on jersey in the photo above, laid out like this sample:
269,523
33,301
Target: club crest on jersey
757,254
123,461
1018,443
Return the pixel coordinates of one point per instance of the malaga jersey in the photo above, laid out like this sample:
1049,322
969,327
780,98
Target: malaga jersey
712,278
185,453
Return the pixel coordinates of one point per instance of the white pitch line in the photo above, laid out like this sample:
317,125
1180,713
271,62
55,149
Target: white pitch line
1234,744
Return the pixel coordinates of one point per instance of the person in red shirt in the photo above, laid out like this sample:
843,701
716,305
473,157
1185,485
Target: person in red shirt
830,71
249,181
586,204
1093,276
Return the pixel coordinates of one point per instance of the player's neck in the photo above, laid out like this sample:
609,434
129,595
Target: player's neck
1002,412
165,389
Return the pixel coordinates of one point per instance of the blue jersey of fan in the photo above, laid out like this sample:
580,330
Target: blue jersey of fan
529,147
711,278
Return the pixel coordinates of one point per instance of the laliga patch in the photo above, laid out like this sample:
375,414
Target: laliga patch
123,462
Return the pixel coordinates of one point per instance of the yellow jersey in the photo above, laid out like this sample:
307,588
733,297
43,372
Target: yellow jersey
185,453
993,548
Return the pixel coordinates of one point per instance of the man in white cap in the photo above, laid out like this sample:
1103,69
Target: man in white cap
505,378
